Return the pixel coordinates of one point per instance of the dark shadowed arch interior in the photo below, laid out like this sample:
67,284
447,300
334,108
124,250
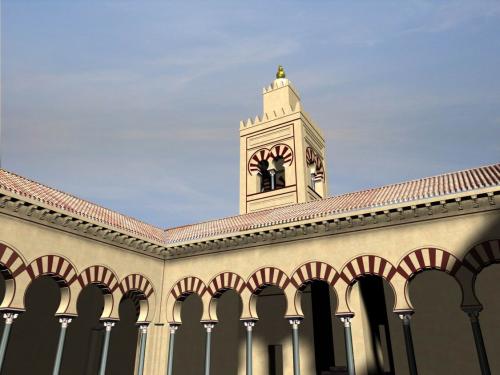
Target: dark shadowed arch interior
229,334
190,338
272,331
33,340
85,334
321,330
372,300
487,291
123,342
441,330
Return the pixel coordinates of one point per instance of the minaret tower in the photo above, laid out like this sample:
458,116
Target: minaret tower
282,153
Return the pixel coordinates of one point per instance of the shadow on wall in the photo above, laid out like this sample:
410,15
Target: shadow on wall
190,338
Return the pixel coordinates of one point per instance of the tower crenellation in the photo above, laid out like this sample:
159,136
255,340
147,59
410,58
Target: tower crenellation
282,152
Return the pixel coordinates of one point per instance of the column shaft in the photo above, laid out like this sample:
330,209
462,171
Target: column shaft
9,319
105,347
295,344
249,353
208,327
410,351
171,342
348,345
143,332
60,345
478,340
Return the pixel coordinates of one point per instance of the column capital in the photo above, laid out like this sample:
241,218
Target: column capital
295,322
65,321
405,315
108,325
472,311
9,317
209,326
143,328
249,324
173,327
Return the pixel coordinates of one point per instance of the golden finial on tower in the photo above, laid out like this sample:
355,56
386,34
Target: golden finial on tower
280,73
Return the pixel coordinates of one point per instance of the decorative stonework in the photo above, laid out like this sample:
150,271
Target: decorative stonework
312,157
267,276
428,258
186,286
55,266
99,275
367,265
314,271
264,154
225,281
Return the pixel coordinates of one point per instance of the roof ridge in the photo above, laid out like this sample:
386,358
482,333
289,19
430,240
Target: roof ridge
72,196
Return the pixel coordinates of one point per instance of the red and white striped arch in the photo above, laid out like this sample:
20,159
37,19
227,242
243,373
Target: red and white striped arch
428,258
101,276
11,261
314,271
312,157
284,151
257,157
137,283
267,276
52,265
225,281
186,286
367,265
482,255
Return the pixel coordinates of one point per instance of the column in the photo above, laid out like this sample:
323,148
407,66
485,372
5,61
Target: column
209,327
9,319
348,344
105,347
171,342
60,345
249,324
410,352
478,340
272,172
295,322
143,334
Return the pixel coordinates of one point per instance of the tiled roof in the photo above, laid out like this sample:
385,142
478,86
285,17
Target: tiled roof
449,183
73,205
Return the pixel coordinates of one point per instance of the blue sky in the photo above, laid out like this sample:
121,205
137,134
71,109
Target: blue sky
135,105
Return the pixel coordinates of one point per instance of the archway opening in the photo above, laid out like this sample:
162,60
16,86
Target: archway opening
265,176
442,335
487,283
33,340
123,342
190,338
371,298
82,349
321,332
228,334
272,344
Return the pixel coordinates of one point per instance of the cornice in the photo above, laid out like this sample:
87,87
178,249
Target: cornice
323,225
356,220
34,211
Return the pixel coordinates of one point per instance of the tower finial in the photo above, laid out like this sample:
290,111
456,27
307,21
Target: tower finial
280,73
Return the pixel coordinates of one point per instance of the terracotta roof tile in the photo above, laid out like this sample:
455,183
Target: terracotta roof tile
441,185
71,204
449,183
